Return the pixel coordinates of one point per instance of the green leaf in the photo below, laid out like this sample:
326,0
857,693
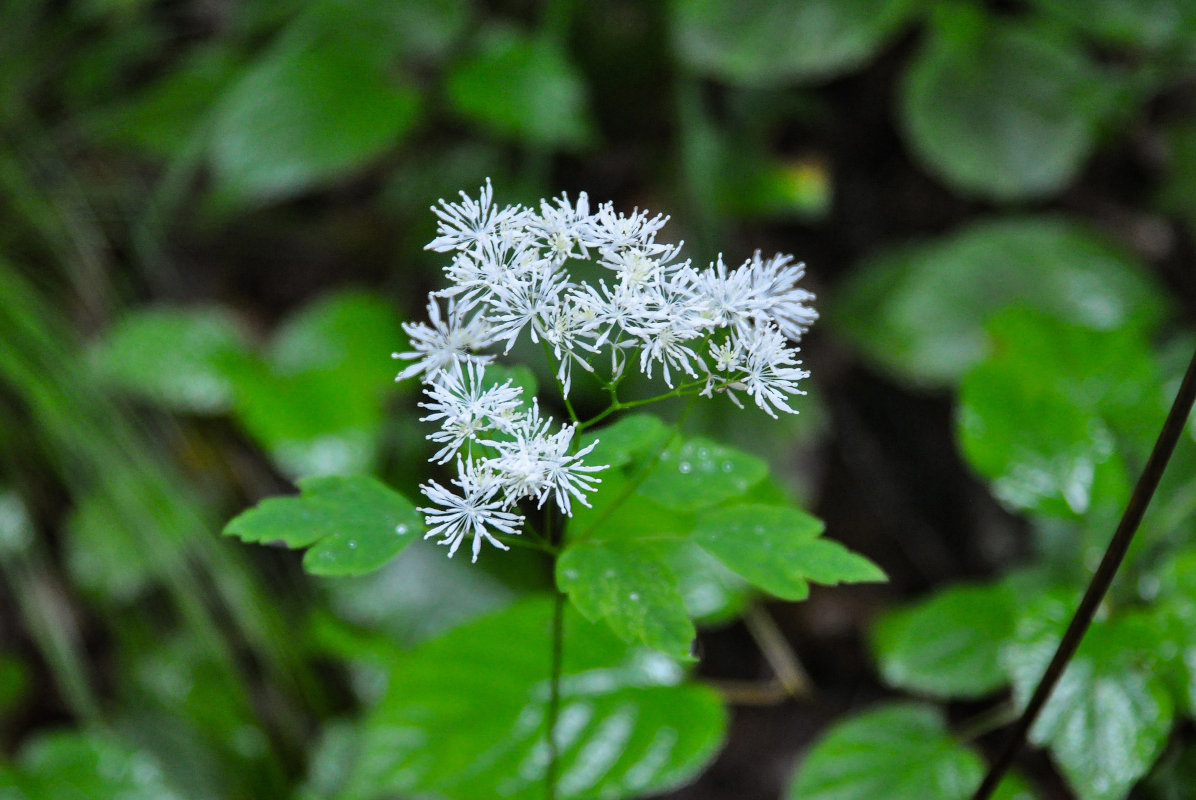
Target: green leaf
178,358
700,473
624,441
1110,713
949,645
352,524
758,42
1002,110
464,715
630,586
316,404
316,106
523,87
898,752
67,765
1047,417
777,549
1176,612
921,311
1154,25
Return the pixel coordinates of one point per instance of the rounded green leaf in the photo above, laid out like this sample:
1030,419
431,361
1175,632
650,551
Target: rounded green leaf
700,473
948,645
1002,110
1147,24
523,87
768,41
1110,714
179,358
465,715
630,586
895,752
314,107
1049,416
354,524
921,311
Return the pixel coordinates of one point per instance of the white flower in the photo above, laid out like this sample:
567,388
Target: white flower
511,270
445,344
464,408
771,371
481,509
536,464
473,226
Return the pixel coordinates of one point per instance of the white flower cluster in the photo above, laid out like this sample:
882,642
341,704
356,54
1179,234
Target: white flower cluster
705,330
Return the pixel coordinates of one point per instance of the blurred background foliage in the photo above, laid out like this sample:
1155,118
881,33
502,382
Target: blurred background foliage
211,225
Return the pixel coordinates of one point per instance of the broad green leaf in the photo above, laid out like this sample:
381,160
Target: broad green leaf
178,358
163,118
626,440
67,765
416,597
629,586
524,87
756,42
700,473
316,106
1154,25
895,752
777,549
710,591
464,716
1047,417
1111,712
352,524
949,645
1002,110
921,311
618,513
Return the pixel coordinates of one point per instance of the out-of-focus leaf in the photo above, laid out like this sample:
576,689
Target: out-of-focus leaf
1146,24
67,765
769,41
898,752
163,118
630,586
920,312
948,645
1047,417
523,87
178,358
464,717
1111,712
317,403
1002,110
316,106
352,525
779,550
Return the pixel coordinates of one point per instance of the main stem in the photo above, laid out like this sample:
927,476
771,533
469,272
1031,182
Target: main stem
1099,585
554,684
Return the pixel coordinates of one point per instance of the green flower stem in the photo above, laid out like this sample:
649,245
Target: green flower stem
1098,587
552,362
617,405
